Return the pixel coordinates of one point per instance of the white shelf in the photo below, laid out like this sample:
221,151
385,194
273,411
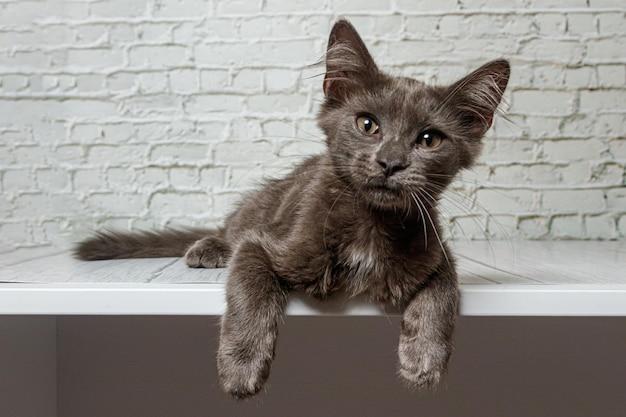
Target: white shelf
497,279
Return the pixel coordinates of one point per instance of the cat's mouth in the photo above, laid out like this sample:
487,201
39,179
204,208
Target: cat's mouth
384,193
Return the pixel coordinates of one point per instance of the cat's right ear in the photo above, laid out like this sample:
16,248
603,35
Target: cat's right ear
348,62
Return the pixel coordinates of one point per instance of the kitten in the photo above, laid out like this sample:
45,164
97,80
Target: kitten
360,218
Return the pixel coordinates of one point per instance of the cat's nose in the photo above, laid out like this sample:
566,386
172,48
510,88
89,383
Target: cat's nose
392,166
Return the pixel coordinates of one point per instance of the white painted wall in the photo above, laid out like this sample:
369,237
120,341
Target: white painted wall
144,113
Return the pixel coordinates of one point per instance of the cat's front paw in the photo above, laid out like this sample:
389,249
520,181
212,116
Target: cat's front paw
422,363
242,377
207,253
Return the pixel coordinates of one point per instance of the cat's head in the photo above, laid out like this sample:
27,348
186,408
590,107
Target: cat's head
395,138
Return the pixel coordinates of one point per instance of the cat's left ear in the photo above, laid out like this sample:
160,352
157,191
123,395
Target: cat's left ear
349,64
478,95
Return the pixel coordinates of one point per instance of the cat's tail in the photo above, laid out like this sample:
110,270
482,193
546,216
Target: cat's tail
146,244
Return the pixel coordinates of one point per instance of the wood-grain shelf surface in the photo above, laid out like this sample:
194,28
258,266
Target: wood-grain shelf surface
536,278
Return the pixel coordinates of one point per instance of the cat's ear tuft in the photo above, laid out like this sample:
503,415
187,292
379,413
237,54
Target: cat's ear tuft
348,62
478,95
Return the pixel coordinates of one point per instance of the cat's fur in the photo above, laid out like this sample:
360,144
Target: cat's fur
360,218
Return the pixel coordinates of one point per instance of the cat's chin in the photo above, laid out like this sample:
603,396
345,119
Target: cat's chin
383,198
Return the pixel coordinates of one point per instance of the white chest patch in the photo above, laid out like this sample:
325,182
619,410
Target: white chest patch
362,261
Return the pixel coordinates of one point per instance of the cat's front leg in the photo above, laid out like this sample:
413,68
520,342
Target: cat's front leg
427,327
256,301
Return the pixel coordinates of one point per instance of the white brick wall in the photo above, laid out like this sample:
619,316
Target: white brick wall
144,113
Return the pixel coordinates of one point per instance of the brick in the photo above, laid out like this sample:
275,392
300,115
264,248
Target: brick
23,111
247,129
610,125
13,83
612,23
570,51
122,81
159,56
95,58
117,132
279,6
544,174
18,180
115,154
30,155
502,201
90,82
114,204
52,179
566,227
558,103
238,7
212,177
343,6
279,103
622,225
118,8
573,201
535,227
141,105
121,33
184,177
617,148
606,50
178,202
573,150
550,4
469,227
180,153
151,177
510,175
582,24
584,77
30,205
153,82
180,8
184,81
421,5
551,24
300,148
214,80
601,227
419,26
576,173
608,174
243,152
212,103
154,33
611,75
87,179
508,151
248,80
379,25
120,179
501,227
278,80
602,99
211,131
91,34
616,199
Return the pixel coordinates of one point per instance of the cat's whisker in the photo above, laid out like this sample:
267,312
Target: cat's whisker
423,216
328,214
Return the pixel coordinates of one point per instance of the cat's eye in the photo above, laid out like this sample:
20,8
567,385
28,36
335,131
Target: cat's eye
429,139
367,125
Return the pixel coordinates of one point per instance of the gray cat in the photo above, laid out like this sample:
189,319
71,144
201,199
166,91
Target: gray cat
361,218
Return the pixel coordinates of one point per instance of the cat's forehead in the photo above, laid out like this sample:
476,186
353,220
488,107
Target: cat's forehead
399,95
